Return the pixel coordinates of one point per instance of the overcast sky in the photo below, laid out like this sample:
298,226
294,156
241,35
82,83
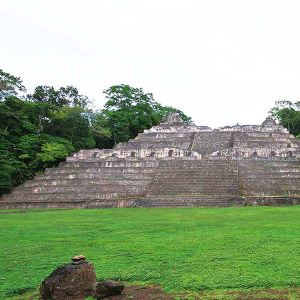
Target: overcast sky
221,62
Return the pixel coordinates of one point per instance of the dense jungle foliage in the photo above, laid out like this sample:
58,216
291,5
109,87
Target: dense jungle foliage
41,129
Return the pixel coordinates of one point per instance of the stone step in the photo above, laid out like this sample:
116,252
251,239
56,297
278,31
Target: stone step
263,138
83,182
202,162
269,163
269,187
100,170
271,172
202,171
193,192
95,176
272,201
165,140
281,175
82,196
190,202
270,167
156,145
186,188
90,204
278,181
104,188
109,164
171,204
166,135
195,187
268,191
191,197
195,178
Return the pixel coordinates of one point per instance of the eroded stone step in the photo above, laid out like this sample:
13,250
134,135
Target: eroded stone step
110,164
195,180
104,188
284,175
100,170
83,182
271,191
69,196
95,176
198,192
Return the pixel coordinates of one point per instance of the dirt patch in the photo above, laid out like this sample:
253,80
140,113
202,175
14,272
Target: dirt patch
143,292
155,292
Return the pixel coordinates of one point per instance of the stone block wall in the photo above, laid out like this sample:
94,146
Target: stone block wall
210,141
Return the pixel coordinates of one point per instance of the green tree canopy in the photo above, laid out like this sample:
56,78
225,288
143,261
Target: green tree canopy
288,115
64,96
10,85
129,111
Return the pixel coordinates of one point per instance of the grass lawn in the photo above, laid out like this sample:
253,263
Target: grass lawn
182,249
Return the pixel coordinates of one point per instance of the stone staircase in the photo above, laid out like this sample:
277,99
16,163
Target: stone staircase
194,183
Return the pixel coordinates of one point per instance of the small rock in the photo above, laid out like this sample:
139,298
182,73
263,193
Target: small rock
79,258
69,282
107,288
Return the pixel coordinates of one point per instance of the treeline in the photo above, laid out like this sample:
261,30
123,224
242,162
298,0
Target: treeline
41,129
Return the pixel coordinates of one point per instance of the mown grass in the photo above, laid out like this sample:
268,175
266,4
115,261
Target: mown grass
183,249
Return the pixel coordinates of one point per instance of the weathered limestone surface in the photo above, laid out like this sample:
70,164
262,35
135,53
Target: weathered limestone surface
174,164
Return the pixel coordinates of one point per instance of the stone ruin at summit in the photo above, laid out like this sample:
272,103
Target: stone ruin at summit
174,164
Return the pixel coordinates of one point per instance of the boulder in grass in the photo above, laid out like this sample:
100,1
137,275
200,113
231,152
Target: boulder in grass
73,281
107,288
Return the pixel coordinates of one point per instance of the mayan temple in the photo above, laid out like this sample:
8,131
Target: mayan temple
174,164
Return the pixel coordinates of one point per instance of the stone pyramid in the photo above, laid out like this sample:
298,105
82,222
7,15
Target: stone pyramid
174,164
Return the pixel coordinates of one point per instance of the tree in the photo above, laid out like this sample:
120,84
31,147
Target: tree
64,96
18,142
39,130
10,85
288,115
130,111
100,131
51,153
64,113
125,97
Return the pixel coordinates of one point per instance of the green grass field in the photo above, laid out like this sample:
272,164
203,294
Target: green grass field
183,249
